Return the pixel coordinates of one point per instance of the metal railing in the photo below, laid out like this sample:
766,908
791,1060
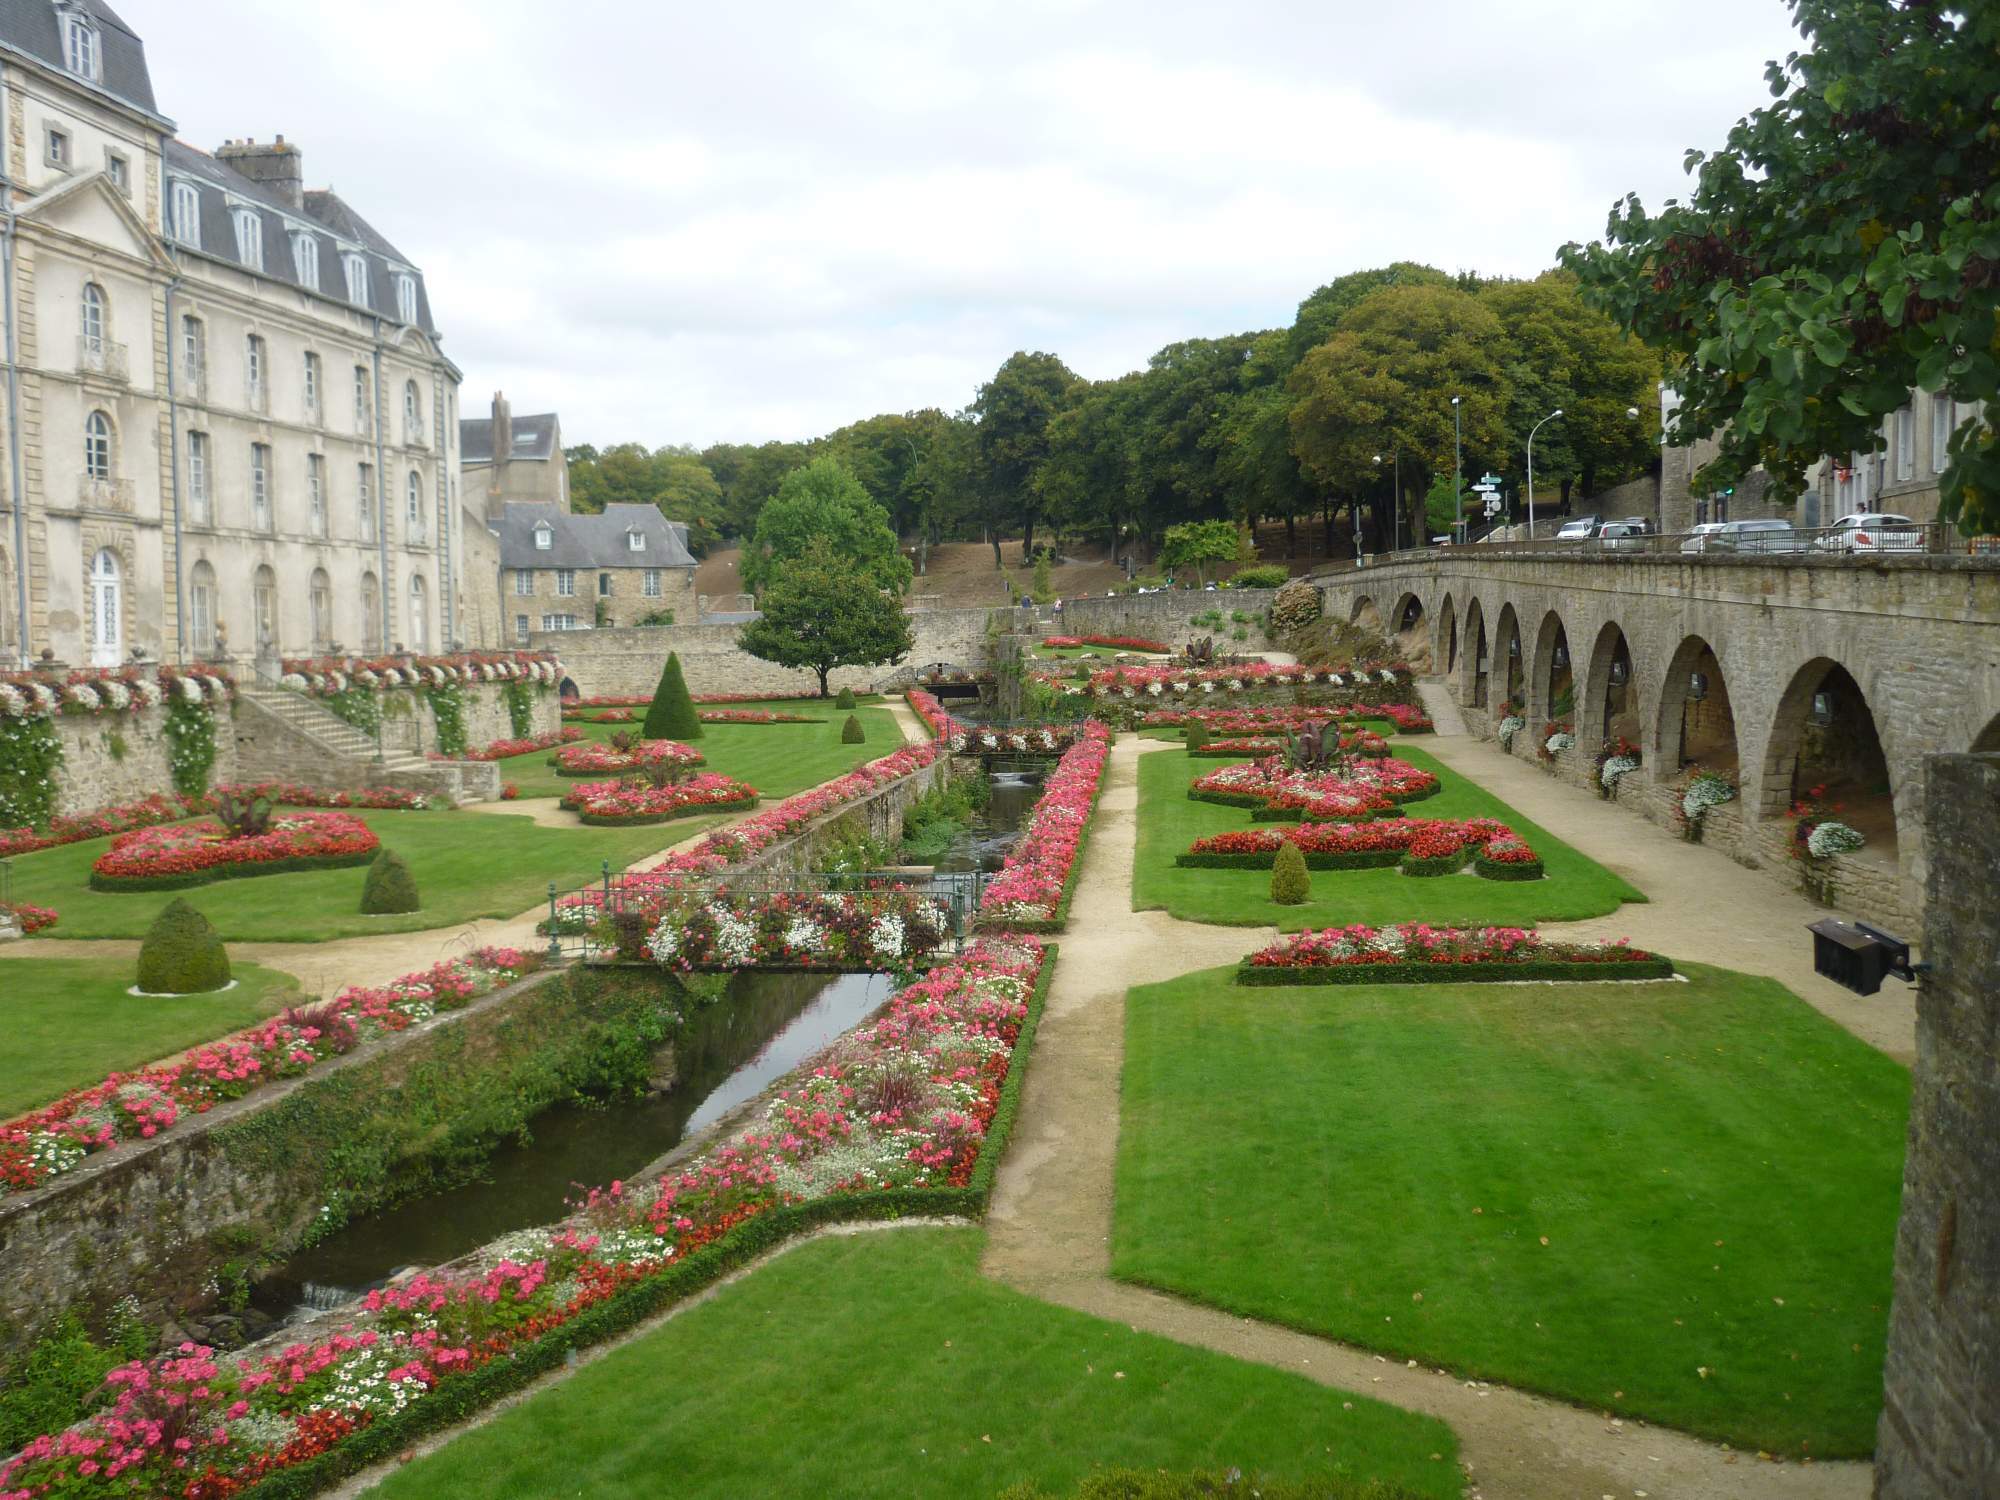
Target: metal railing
1782,543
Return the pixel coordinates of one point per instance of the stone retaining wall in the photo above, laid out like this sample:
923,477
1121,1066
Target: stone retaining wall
114,758
1168,616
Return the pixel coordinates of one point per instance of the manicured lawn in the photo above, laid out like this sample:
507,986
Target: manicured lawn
66,1022
1071,653
777,759
1169,821
466,865
884,1364
1672,1201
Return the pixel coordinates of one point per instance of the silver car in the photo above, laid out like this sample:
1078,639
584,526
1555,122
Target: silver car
1620,536
1702,537
1757,536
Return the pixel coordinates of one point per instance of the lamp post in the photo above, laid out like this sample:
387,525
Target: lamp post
1457,464
1531,467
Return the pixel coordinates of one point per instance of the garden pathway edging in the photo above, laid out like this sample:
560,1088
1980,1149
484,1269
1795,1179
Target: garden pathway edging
1049,1224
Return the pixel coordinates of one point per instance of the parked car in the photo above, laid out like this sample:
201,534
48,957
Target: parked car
1876,531
1581,529
1757,536
1702,537
1620,536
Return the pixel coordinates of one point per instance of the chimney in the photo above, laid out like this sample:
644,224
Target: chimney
278,166
503,428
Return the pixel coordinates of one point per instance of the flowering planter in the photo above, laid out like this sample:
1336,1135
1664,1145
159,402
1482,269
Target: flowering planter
624,804
1417,953
1460,973
190,854
1273,720
1033,890
593,758
1366,788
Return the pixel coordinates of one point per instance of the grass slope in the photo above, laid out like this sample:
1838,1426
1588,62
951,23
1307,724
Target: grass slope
1169,821
1599,1191
885,1364
66,1022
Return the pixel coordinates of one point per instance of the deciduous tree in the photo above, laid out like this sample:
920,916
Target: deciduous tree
822,612
824,504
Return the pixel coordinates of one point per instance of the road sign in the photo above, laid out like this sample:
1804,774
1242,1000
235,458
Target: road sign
1486,489
1489,479
1492,507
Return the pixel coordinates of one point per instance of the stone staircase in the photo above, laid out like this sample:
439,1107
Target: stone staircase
289,737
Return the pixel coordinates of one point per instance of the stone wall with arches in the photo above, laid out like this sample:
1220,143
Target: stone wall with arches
1786,676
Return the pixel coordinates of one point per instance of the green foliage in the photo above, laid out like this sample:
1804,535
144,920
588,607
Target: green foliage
1196,736
1045,588
851,732
1015,410
1260,576
520,699
190,729
30,753
1198,545
56,1382
655,619
390,888
822,612
358,707
448,709
181,954
852,850
936,818
824,506
115,746
1291,884
1443,511
672,714
1836,252
846,698
674,480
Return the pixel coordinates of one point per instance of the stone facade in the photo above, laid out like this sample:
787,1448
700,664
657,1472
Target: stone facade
1940,1431
111,759
1920,637
604,598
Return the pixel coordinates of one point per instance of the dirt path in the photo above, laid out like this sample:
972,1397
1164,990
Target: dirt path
1703,906
1049,1230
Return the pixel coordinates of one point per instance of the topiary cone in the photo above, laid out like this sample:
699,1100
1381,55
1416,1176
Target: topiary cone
672,715
846,699
181,954
390,887
851,733
1290,884
1197,736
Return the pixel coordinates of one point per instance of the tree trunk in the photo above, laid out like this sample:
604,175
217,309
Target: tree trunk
1291,537
993,537
1027,541
822,679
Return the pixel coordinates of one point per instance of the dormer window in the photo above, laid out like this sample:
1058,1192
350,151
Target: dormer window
305,259
249,237
357,279
545,536
406,298
81,53
635,540
187,214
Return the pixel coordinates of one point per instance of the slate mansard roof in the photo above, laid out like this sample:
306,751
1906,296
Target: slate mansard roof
590,541
534,438
338,229
34,28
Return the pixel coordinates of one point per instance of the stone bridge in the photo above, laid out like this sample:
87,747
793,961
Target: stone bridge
1788,674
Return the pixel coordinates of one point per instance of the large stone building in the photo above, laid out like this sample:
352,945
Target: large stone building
228,421
561,571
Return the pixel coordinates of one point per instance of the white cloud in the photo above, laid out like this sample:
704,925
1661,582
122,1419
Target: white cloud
675,224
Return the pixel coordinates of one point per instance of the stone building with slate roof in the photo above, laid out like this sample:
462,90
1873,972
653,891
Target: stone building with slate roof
230,426
524,463
562,571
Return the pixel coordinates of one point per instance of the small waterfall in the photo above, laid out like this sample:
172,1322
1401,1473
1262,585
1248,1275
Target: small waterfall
316,1297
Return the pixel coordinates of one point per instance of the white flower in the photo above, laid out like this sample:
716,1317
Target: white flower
1155,687
805,936
82,695
1833,837
1207,687
190,690
664,941
1334,679
1510,726
735,938
367,678
13,700
885,934
1559,742
148,691
296,681
116,694
1387,675
218,690
1616,767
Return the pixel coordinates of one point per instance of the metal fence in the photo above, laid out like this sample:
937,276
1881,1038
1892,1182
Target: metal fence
1778,542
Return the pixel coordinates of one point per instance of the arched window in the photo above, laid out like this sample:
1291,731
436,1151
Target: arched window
305,259
264,605
319,595
413,507
249,237
107,614
371,612
81,53
420,614
356,267
186,222
93,317
97,445
413,413
201,608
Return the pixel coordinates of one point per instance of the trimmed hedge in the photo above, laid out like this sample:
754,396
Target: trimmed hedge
671,715
1544,969
1493,869
1290,884
181,954
247,871
463,1396
1445,864
390,889
851,733
845,699
598,820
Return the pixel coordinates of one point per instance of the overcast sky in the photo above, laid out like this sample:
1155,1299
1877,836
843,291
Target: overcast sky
677,223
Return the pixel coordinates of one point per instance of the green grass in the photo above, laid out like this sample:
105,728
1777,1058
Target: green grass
884,1364
777,759
466,865
66,1022
1598,1191
1169,821
1072,653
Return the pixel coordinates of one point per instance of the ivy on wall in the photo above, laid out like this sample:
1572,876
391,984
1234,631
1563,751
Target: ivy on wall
520,698
30,752
448,708
358,706
190,745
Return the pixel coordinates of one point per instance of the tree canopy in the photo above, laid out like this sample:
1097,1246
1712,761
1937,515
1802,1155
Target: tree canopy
823,504
674,479
822,611
1198,545
1841,247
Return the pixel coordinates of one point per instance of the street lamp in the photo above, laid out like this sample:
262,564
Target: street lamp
1531,467
1457,461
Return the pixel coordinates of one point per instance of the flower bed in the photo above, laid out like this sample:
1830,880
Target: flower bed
1032,891
1416,953
627,804
185,854
1420,846
962,737
508,749
1279,720
1358,742
595,758
134,1106
868,931
1365,789
1114,642
598,715
161,807
291,794
1157,682
30,919
1506,858
908,1116
707,716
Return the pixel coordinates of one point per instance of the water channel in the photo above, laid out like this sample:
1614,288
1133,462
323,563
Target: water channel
764,1025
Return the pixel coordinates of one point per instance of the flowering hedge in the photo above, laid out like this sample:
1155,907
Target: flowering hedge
185,854
1416,952
1364,789
595,758
1357,742
906,1116
1157,682
1422,846
49,1141
627,804
1117,642
116,690
886,929
569,734
1032,891
158,808
959,736
30,919
329,676
291,794
1270,720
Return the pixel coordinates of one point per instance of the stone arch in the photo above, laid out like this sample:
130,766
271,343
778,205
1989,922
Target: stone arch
568,691
1607,701
1554,675
1408,632
1696,720
1366,615
1824,735
1509,668
1444,644
1475,659
1987,741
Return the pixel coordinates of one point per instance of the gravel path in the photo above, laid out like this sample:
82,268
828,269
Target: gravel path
1049,1230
